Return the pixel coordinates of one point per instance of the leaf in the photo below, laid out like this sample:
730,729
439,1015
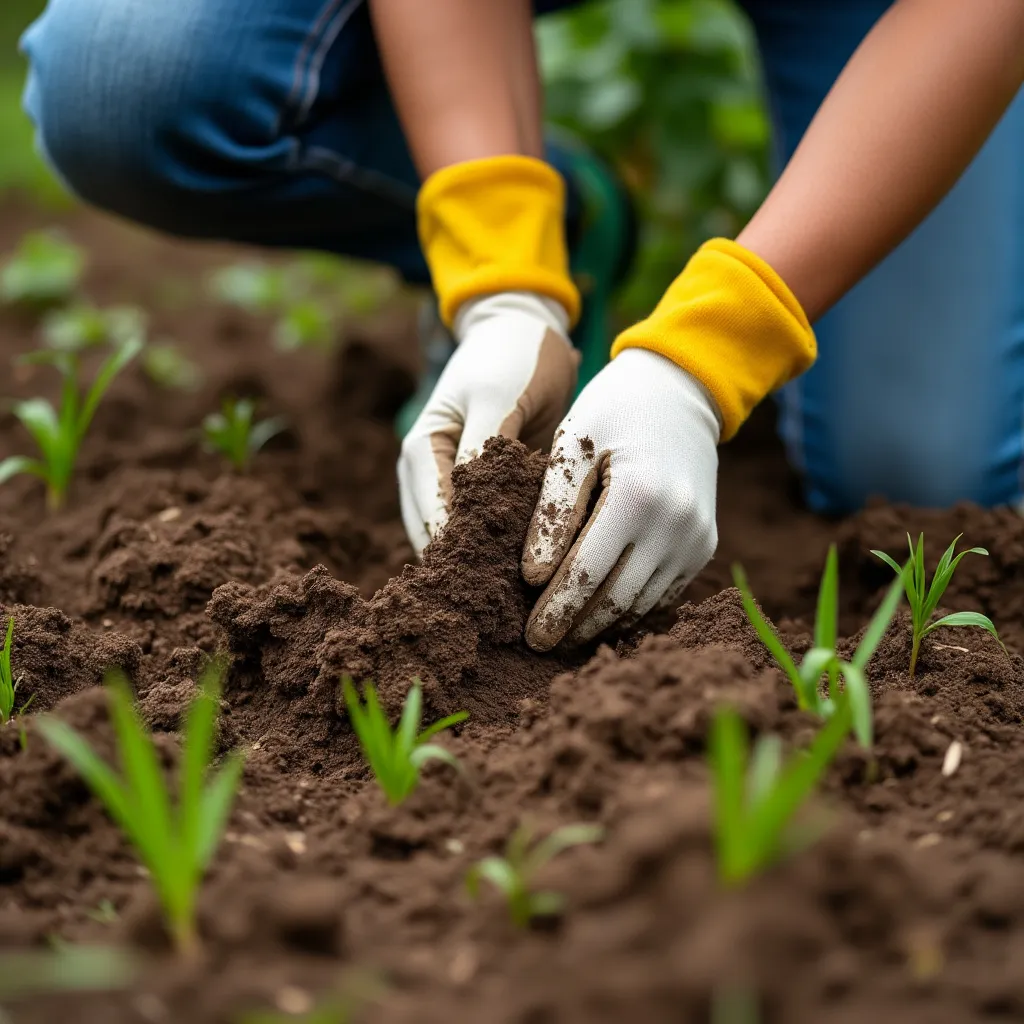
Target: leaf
966,619
111,367
767,634
727,754
858,695
432,752
764,768
826,618
263,431
40,419
815,662
557,842
496,870
546,903
880,620
409,722
17,464
217,799
195,756
440,726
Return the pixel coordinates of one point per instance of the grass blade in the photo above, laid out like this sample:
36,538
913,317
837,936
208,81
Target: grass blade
409,721
111,367
215,808
763,772
196,753
440,726
432,752
727,752
858,695
880,620
826,616
14,465
560,840
767,634
966,619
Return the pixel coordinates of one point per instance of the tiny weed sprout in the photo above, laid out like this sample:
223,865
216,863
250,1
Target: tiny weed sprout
397,756
304,324
756,796
822,658
58,433
513,874
168,368
8,684
44,270
233,433
924,600
175,842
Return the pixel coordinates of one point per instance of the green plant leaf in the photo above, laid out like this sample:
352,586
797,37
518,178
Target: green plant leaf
858,695
764,768
827,614
727,754
966,619
496,870
767,634
215,808
111,367
880,620
561,839
441,725
14,465
432,752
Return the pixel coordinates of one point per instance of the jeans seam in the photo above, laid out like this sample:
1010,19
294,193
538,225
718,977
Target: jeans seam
316,62
326,161
296,90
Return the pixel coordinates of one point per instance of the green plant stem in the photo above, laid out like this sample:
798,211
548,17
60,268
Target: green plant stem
915,648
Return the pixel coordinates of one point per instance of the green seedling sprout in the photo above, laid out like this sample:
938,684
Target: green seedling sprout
8,684
233,433
822,658
58,433
513,874
167,367
174,840
757,796
306,323
396,757
44,270
924,600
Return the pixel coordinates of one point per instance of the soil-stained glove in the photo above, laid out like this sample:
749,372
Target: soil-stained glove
626,516
513,373
493,235
643,438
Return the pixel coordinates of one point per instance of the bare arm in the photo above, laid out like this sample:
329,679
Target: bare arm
463,74
909,112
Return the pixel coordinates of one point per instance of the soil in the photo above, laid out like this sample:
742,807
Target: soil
909,908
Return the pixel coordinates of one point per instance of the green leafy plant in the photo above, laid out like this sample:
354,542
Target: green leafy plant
167,367
44,269
757,796
58,433
822,658
174,840
513,874
79,327
8,684
924,599
397,756
233,433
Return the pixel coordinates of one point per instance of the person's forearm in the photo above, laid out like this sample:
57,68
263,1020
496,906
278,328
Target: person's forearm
909,112
463,74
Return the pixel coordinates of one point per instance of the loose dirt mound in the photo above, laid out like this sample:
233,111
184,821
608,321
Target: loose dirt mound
910,909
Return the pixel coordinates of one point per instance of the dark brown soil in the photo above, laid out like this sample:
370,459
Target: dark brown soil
909,910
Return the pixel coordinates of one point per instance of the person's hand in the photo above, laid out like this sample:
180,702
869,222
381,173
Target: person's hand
513,373
642,440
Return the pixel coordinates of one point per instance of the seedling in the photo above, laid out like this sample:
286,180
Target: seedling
80,327
59,433
304,324
233,433
924,600
166,367
175,841
397,756
8,685
757,796
513,874
822,658
45,269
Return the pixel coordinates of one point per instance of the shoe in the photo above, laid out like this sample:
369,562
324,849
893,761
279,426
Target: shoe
602,246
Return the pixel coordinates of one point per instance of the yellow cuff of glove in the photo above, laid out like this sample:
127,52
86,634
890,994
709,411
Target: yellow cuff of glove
496,225
730,321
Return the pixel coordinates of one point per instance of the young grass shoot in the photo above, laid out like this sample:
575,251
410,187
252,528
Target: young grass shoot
58,432
924,599
757,797
396,757
822,658
513,874
8,684
175,840
233,433
44,270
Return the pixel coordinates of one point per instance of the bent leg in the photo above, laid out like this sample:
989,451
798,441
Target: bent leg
918,393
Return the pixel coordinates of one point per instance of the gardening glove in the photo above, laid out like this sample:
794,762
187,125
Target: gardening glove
512,373
626,516
492,232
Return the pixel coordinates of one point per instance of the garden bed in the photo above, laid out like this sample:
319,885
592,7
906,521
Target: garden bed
910,908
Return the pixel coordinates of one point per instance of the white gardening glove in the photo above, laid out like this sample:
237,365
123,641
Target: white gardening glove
513,373
644,433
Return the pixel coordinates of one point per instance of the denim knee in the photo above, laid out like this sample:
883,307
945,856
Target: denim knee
148,108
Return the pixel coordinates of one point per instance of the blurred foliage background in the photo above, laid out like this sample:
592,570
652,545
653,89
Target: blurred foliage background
667,90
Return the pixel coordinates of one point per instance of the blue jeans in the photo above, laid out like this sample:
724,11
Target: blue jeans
269,121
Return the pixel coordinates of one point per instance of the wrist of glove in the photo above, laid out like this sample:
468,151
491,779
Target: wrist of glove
643,438
513,373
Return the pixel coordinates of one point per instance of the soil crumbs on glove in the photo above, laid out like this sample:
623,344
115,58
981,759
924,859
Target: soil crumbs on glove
909,908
